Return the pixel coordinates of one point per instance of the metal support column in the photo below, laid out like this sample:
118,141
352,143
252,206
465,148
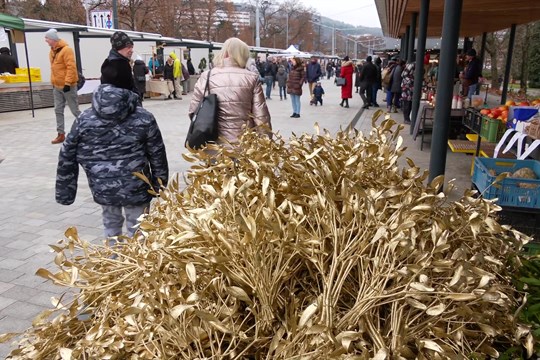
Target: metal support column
402,45
419,67
482,53
412,35
115,13
508,63
445,87
403,53
77,49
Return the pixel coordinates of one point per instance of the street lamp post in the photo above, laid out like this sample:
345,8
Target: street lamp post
257,33
287,29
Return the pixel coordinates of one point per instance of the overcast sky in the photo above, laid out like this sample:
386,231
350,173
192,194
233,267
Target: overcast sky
354,12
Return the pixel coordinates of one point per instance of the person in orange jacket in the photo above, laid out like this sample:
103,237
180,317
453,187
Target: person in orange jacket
64,77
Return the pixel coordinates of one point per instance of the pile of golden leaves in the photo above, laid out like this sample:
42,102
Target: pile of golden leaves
318,248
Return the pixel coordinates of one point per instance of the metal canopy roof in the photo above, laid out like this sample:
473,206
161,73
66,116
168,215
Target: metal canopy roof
478,16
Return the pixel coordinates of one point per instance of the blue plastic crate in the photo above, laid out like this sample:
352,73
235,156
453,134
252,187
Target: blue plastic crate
510,191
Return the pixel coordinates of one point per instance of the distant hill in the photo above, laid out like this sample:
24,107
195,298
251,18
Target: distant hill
351,29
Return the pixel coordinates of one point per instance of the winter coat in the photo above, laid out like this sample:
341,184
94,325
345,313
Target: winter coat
395,82
473,71
282,76
168,72
347,70
407,82
8,64
313,72
296,80
112,140
185,73
241,102
155,66
190,68
357,72
139,71
318,91
378,81
117,71
369,73
63,66
270,69
177,67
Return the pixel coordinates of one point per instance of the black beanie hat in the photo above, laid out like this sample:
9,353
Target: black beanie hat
120,40
471,52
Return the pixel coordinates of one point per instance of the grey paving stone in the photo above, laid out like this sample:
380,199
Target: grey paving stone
31,295
19,254
21,242
11,264
10,275
29,280
5,302
22,310
35,222
5,286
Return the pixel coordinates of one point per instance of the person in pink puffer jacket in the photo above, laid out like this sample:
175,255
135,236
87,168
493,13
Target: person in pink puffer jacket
240,95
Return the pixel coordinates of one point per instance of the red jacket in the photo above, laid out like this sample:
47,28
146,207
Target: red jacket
347,71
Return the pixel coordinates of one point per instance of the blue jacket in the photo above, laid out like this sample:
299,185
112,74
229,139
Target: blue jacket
111,140
313,72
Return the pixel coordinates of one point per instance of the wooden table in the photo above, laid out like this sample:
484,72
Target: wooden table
164,88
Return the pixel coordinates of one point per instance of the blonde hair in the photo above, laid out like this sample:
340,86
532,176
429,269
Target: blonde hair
234,49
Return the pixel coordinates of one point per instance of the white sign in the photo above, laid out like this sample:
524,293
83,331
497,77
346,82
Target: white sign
101,19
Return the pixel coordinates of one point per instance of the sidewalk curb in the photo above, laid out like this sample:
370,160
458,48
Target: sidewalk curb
355,119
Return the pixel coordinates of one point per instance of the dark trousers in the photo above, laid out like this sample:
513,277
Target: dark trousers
365,92
374,89
407,107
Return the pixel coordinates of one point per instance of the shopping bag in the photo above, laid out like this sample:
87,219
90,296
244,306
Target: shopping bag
340,81
203,127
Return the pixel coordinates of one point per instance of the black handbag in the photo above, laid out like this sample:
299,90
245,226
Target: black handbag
340,81
204,124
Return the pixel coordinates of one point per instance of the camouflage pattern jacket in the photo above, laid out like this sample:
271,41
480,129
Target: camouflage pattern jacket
112,140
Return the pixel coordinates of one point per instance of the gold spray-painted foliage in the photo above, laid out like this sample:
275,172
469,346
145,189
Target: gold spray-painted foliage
321,247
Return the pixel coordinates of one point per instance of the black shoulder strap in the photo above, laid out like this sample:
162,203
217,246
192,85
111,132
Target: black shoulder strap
207,87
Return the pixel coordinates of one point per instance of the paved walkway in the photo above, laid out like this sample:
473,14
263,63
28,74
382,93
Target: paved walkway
30,219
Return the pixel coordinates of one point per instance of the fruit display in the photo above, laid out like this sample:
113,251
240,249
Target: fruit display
316,247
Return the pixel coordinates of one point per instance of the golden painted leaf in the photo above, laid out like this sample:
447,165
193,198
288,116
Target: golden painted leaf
488,330
307,314
420,287
7,336
65,353
312,155
416,304
192,298
179,310
491,296
382,354
457,276
436,310
265,184
529,345
239,293
191,272
431,345
461,297
347,337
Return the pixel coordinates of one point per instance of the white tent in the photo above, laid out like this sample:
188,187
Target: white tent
292,51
